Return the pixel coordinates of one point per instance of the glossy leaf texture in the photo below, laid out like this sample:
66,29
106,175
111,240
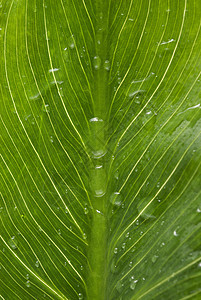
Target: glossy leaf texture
100,149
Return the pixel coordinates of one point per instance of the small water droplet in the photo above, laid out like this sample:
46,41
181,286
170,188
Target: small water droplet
13,243
59,231
137,222
198,210
86,210
127,234
130,264
175,233
158,185
154,258
37,264
116,199
71,42
116,175
84,236
28,283
27,276
115,250
133,284
123,246
97,62
81,268
80,296
107,65
119,286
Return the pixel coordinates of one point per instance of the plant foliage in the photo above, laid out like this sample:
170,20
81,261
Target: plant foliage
100,149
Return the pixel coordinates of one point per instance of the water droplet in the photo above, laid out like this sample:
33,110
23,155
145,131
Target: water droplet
116,199
71,42
115,250
81,268
137,222
169,41
46,108
59,231
127,234
98,182
84,236
123,246
116,175
119,286
97,62
86,210
154,258
13,243
199,265
198,210
130,264
53,70
80,296
39,228
133,284
37,264
107,65
175,233
27,276
28,283
146,208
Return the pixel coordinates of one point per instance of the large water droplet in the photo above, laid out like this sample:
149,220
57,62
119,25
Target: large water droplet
98,181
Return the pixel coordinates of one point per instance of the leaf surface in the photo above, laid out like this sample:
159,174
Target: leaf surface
100,149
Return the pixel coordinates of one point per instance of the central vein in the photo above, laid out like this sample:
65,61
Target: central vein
98,124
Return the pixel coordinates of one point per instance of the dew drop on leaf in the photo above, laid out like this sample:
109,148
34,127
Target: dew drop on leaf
86,210
13,243
107,65
97,62
84,236
28,283
37,264
80,296
133,284
154,258
115,250
119,286
116,199
71,42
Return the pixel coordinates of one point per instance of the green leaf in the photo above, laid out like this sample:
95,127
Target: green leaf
100,149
